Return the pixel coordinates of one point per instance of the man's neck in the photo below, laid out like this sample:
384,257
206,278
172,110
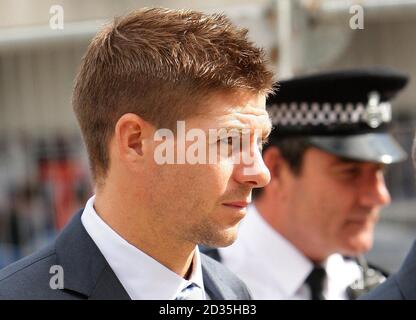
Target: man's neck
138,230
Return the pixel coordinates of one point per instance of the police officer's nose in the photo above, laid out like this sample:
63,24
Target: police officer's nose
374,191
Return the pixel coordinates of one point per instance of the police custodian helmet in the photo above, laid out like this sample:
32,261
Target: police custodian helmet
346,113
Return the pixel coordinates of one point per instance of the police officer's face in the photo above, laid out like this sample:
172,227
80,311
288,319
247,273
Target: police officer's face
334,203
203,203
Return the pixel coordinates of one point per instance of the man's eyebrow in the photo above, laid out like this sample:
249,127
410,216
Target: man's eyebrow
265,133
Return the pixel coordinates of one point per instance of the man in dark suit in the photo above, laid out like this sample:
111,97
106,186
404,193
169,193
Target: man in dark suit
402,285
144,79
399,286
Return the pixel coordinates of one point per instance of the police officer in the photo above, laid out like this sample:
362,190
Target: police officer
306,231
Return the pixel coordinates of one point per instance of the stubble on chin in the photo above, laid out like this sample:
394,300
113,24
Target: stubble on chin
211,236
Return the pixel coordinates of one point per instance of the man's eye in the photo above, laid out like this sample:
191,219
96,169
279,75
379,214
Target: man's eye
229,140
261,143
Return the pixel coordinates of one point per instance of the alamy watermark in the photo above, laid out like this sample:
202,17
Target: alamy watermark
56,21
57,280
357,20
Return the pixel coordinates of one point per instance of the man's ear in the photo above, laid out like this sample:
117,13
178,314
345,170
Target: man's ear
130,132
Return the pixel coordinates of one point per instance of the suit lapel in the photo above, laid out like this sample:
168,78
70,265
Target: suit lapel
108,287
86,271
213,283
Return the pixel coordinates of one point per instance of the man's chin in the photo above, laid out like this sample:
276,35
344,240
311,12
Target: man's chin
221,240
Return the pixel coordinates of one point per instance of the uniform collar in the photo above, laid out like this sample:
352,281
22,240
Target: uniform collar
276,266
284,259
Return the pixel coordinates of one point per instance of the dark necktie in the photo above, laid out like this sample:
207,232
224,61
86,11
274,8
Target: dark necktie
315,281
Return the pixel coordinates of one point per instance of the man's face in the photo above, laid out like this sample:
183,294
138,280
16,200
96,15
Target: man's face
333,204
204,203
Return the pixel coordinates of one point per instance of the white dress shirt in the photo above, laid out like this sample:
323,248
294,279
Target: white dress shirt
141,276
273,268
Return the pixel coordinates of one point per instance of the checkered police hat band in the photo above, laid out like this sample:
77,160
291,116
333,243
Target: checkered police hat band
314,114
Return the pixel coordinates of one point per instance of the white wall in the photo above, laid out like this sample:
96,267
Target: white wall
36,12
36,81
390,44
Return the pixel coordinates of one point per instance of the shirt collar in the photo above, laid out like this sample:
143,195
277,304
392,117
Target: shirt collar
141,276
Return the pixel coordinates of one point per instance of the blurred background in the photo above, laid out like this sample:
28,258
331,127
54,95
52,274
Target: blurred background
44,174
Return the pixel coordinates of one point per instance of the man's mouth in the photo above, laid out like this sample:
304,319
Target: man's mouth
237,204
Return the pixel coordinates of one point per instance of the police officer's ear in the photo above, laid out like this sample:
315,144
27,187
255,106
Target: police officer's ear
273,160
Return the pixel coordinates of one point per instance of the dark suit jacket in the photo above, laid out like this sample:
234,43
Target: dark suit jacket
87,275
400,286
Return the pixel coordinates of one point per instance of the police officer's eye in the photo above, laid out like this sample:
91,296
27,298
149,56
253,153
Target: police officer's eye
383,169
230,144
351,171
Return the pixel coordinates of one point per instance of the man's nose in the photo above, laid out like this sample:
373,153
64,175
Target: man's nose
252,170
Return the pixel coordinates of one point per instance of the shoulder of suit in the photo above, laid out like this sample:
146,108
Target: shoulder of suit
378,269
400,285
28,263
223,275
388,290
28,276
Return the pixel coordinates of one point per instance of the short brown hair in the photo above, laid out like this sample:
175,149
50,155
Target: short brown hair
159,63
